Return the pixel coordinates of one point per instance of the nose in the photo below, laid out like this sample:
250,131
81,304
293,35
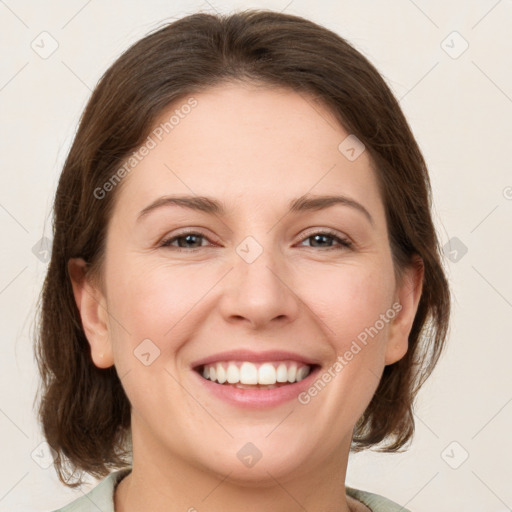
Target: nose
259,293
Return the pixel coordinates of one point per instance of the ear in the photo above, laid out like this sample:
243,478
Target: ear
406,303
91,305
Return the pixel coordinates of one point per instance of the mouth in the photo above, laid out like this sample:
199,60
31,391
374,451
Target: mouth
255,375
255,380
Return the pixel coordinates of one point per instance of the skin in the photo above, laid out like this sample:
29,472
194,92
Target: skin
254,149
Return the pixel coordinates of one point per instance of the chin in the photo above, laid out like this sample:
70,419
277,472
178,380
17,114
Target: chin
256,464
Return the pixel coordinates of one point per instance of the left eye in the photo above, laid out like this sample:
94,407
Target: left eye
320,237
193,240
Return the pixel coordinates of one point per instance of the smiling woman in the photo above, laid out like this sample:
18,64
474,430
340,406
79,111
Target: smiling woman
258,290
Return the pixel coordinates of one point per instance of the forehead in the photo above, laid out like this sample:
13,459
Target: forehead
248,143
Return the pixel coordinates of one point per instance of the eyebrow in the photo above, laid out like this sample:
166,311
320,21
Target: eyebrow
214,207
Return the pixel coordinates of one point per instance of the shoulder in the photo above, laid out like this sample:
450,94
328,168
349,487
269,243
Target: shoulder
375,502
99,498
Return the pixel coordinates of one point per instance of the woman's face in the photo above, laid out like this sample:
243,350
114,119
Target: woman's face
268,281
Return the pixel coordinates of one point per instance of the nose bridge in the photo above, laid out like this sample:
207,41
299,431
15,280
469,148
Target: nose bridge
258,290
258,265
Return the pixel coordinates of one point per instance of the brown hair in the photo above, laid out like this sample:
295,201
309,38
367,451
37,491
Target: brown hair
84,411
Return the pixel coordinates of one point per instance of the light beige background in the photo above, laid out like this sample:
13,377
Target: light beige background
459,104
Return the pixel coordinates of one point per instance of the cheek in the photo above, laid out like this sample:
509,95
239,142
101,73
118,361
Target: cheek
164,303
351,303
355,305
150,302
151,309
351,300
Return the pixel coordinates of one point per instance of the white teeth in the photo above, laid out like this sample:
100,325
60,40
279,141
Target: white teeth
267,374
292,373
282,373
233,373
248,374
221,374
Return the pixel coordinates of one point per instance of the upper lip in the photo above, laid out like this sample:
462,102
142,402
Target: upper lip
249,355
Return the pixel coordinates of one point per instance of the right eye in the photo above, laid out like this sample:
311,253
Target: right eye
186,240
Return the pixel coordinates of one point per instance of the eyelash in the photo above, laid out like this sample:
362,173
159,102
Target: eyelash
344,242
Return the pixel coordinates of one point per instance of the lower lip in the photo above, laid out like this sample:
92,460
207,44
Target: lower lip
258,398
